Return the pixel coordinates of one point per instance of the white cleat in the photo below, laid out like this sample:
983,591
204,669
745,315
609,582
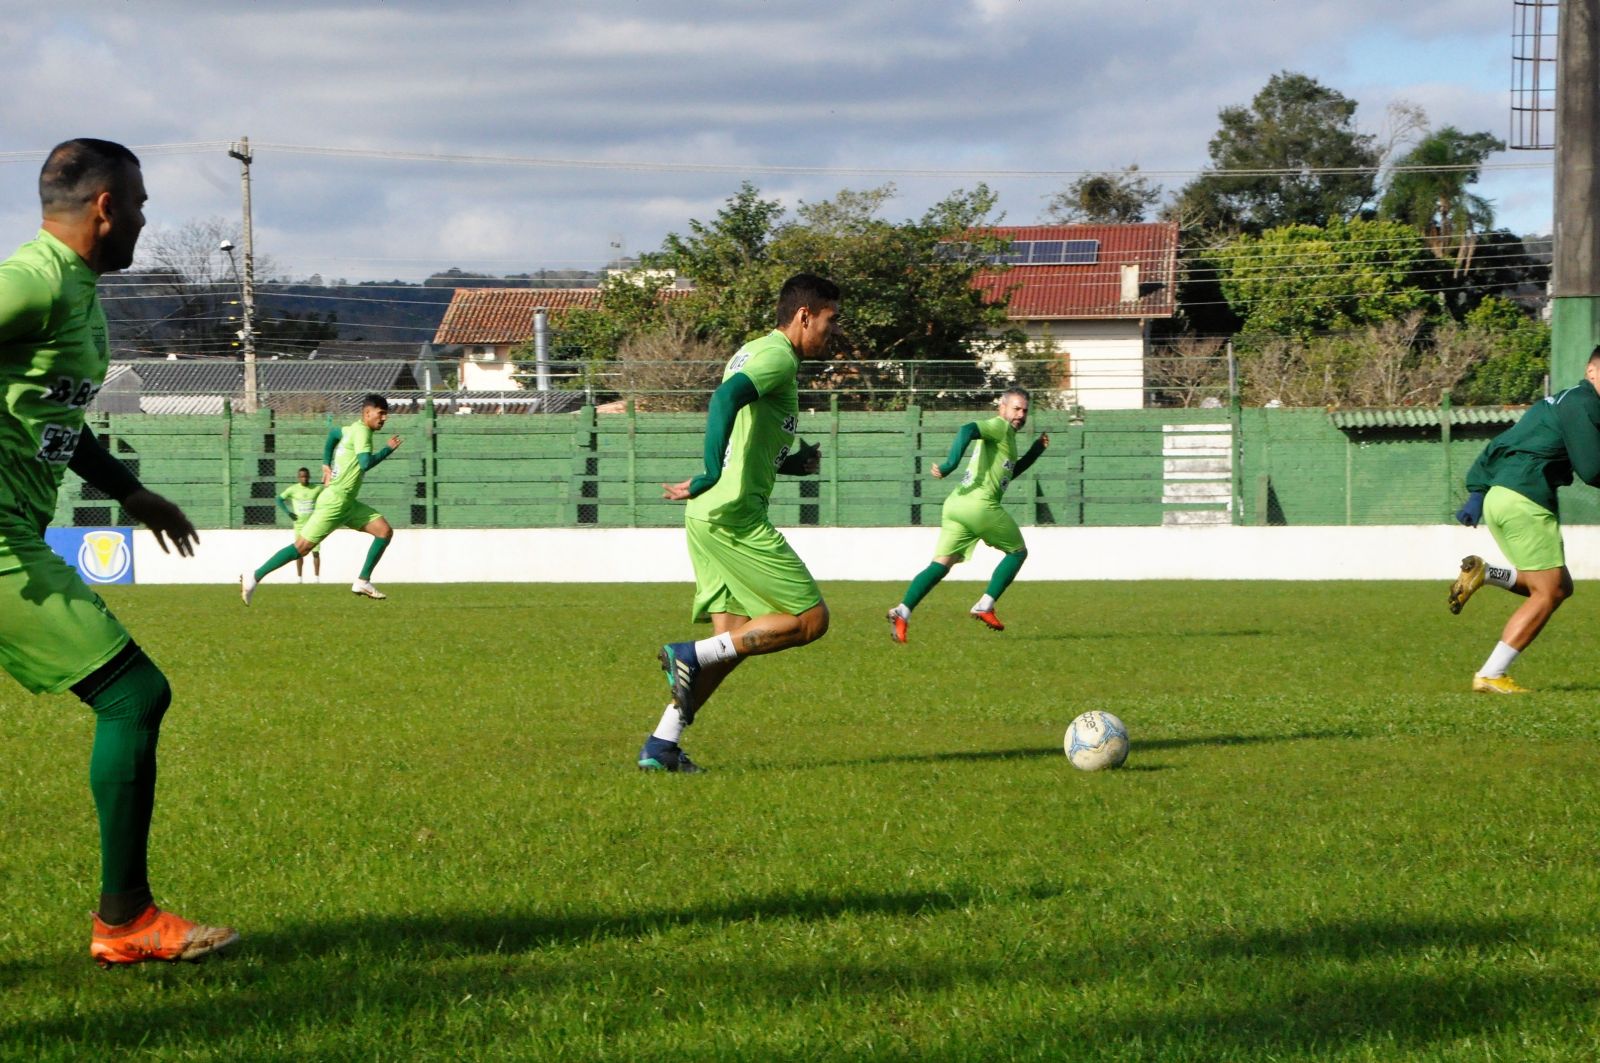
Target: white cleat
367,590
247,586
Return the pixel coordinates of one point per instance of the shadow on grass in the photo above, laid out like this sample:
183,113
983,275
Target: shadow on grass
1086,636
340,984
1030,752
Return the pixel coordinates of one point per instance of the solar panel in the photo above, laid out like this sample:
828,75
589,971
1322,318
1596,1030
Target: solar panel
1080,252
1046,252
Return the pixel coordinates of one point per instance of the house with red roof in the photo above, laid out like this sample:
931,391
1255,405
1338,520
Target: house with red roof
1089,294
1086,294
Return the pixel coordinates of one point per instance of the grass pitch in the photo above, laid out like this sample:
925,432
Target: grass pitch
423,817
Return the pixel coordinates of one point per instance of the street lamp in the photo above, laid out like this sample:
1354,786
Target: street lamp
246,332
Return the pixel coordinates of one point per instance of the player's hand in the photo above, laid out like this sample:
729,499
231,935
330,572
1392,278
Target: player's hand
164,519
394,442
675,492
933,470
1472,511
327,475
1044,440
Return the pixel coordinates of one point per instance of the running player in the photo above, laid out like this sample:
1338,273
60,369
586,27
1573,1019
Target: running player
347,457
1512,489
55,633
749,582
973,511
298,500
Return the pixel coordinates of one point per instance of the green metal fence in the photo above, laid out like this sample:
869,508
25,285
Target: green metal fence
589,468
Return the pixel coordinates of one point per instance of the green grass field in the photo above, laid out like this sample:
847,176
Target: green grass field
423,817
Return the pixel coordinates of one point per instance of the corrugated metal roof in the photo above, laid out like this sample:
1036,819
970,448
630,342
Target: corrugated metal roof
1091,290
505,315
1424,416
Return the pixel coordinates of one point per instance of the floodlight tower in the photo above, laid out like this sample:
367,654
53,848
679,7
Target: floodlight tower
1574,82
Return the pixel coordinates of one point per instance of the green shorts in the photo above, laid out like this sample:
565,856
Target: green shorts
54,630
747,571
300,532
332,514
1528,534
962,523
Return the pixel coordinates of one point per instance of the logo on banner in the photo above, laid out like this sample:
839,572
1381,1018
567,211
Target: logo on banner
104,556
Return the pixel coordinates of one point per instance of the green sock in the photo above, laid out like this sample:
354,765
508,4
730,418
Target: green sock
374,552
277,561
129,696
1005,572
925,581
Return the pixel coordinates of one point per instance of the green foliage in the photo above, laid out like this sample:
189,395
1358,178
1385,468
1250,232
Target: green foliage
1104,198
1306,858
1302,279
1433,197
1515,373
1295,126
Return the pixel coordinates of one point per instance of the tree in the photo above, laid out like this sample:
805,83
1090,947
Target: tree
1303,279
1428,189
1293,157
1104,198
1519,358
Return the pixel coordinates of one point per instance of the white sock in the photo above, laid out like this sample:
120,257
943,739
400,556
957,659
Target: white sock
1500,577
902,611
1499,661
670,729
985,605
714,649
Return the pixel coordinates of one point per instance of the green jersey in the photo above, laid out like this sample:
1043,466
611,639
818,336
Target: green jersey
763,435
1554,439
993,463
354,439
302,498
53,356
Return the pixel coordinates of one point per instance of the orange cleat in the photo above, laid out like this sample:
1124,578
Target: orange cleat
156,935
897,626
990,619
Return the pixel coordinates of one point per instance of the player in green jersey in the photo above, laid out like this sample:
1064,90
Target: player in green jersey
972,511
1512,489
750,583
298,500
347,456
55,633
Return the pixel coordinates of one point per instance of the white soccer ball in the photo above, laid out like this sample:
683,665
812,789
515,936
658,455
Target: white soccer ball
1096,740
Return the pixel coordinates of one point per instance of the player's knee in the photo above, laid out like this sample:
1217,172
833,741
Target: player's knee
130,687
814,622
1020,555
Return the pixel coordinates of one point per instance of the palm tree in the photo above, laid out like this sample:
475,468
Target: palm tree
1428,189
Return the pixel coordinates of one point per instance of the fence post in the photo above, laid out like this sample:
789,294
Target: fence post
1236,425
582,466
227,462
913,434
633,465
430,466
1445,419
833,460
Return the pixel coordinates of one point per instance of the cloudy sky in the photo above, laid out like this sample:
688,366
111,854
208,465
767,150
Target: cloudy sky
396,138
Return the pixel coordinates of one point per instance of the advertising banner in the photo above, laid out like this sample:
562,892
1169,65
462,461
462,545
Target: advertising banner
101,555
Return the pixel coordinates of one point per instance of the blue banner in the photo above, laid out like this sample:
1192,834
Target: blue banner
101,555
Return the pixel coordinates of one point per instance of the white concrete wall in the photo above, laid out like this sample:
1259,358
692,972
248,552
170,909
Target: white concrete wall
648,555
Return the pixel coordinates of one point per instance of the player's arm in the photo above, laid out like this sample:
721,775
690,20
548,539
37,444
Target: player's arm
98,467
24,303
331,444
368,460
1582,439
805,461
283,504
735,393
964,437
1032,455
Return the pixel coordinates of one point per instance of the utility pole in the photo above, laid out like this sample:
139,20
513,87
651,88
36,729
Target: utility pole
247,284
1575,272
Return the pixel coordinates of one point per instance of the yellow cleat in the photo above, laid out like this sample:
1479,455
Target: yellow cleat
1471,578
1499,684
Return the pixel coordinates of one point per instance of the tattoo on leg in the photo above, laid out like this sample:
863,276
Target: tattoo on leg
754,640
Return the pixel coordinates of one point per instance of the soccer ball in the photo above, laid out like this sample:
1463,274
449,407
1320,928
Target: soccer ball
1096,740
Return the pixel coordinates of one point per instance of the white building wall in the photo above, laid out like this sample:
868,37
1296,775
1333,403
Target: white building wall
492,375
1106,359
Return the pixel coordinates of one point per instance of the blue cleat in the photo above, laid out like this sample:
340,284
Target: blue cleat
678,660
659,755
